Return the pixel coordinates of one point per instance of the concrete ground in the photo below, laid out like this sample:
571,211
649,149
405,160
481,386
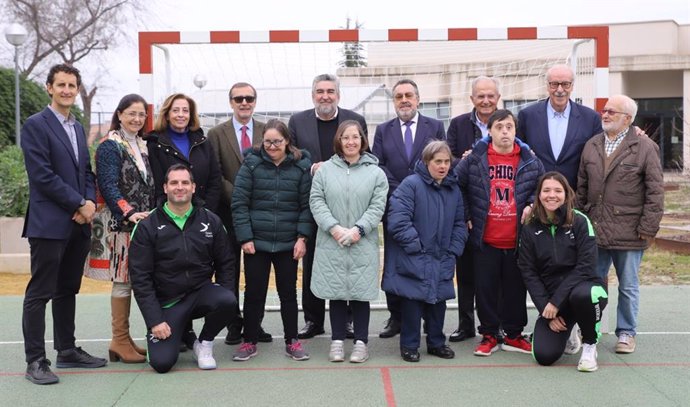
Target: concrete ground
657,374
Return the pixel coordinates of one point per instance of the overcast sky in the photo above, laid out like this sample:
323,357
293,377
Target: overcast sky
204,15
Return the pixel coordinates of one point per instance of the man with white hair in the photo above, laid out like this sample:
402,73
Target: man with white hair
621,189
557,128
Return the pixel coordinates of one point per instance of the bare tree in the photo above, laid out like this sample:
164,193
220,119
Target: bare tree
70,30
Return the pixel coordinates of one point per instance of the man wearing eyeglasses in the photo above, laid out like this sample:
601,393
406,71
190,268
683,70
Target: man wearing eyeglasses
229,140
621,189
398,144
557,128
314,131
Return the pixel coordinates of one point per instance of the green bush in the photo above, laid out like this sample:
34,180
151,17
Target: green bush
14,184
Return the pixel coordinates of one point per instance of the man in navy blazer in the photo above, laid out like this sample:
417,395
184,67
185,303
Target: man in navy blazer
314,131
557,128
62,199
398,144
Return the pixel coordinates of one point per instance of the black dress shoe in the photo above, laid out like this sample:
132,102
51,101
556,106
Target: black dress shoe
350,331
38,372
310,330
264,336
409,355
391,329
234,336
444,352
460,335
77,357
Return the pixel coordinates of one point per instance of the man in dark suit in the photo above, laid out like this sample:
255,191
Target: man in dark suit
229,140
557,128
61,206
463,132
314,131
398,144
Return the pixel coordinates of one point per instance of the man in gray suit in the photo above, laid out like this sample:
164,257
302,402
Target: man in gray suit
314,131
229,140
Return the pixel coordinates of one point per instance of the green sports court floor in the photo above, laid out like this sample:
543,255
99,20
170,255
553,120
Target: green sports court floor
657,374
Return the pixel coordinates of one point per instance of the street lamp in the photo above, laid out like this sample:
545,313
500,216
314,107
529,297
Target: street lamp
16,35
200,81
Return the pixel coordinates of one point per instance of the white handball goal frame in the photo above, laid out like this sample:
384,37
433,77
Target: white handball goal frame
597,80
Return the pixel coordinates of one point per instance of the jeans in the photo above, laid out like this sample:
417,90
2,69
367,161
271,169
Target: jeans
627,265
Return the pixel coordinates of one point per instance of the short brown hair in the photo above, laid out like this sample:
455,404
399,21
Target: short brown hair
338,146
433,148
161,124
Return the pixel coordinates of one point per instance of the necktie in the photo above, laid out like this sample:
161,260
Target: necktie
408,139
246,143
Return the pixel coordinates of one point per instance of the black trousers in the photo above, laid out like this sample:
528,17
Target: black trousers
584,306
314,308
212,302
501,293
393,302
257,270
225,214
56,270
464,269
340,312
412,313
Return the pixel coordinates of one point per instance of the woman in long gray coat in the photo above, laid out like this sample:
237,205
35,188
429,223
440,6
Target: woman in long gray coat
348,198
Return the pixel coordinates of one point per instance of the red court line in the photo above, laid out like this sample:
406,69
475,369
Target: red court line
388,386
359,367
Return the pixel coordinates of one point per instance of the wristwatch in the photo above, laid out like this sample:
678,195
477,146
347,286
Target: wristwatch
82,203
361,230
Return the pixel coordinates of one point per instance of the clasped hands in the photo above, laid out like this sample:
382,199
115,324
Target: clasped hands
345,237
84,214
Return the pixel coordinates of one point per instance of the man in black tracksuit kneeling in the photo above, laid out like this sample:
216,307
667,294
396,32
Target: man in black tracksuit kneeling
174,254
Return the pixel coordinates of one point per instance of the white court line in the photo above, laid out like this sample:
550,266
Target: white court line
318,336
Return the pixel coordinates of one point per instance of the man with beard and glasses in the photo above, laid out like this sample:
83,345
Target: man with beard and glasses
314,131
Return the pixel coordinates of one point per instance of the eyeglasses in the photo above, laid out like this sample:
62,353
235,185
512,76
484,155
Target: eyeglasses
279,142
400,96
134,115
566,85
239,99
346,139
611,112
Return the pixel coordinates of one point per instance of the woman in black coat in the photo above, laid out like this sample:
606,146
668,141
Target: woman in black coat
177,137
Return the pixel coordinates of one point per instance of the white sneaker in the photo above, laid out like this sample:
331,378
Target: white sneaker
203,353
588,359
574,341
337,353
360,353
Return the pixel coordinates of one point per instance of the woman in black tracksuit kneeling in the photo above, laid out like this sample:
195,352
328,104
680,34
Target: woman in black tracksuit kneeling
557,259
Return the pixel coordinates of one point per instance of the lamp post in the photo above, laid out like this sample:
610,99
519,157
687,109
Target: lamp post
16,35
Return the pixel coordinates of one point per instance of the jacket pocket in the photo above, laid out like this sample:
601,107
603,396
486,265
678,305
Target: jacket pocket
413,265
621,210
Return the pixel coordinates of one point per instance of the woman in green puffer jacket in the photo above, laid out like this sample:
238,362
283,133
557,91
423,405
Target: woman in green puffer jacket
270,211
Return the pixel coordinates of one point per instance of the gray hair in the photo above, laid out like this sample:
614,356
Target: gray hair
560,66
480,78
408,82
629,105
326,77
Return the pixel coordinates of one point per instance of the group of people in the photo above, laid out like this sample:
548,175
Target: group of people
172,213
